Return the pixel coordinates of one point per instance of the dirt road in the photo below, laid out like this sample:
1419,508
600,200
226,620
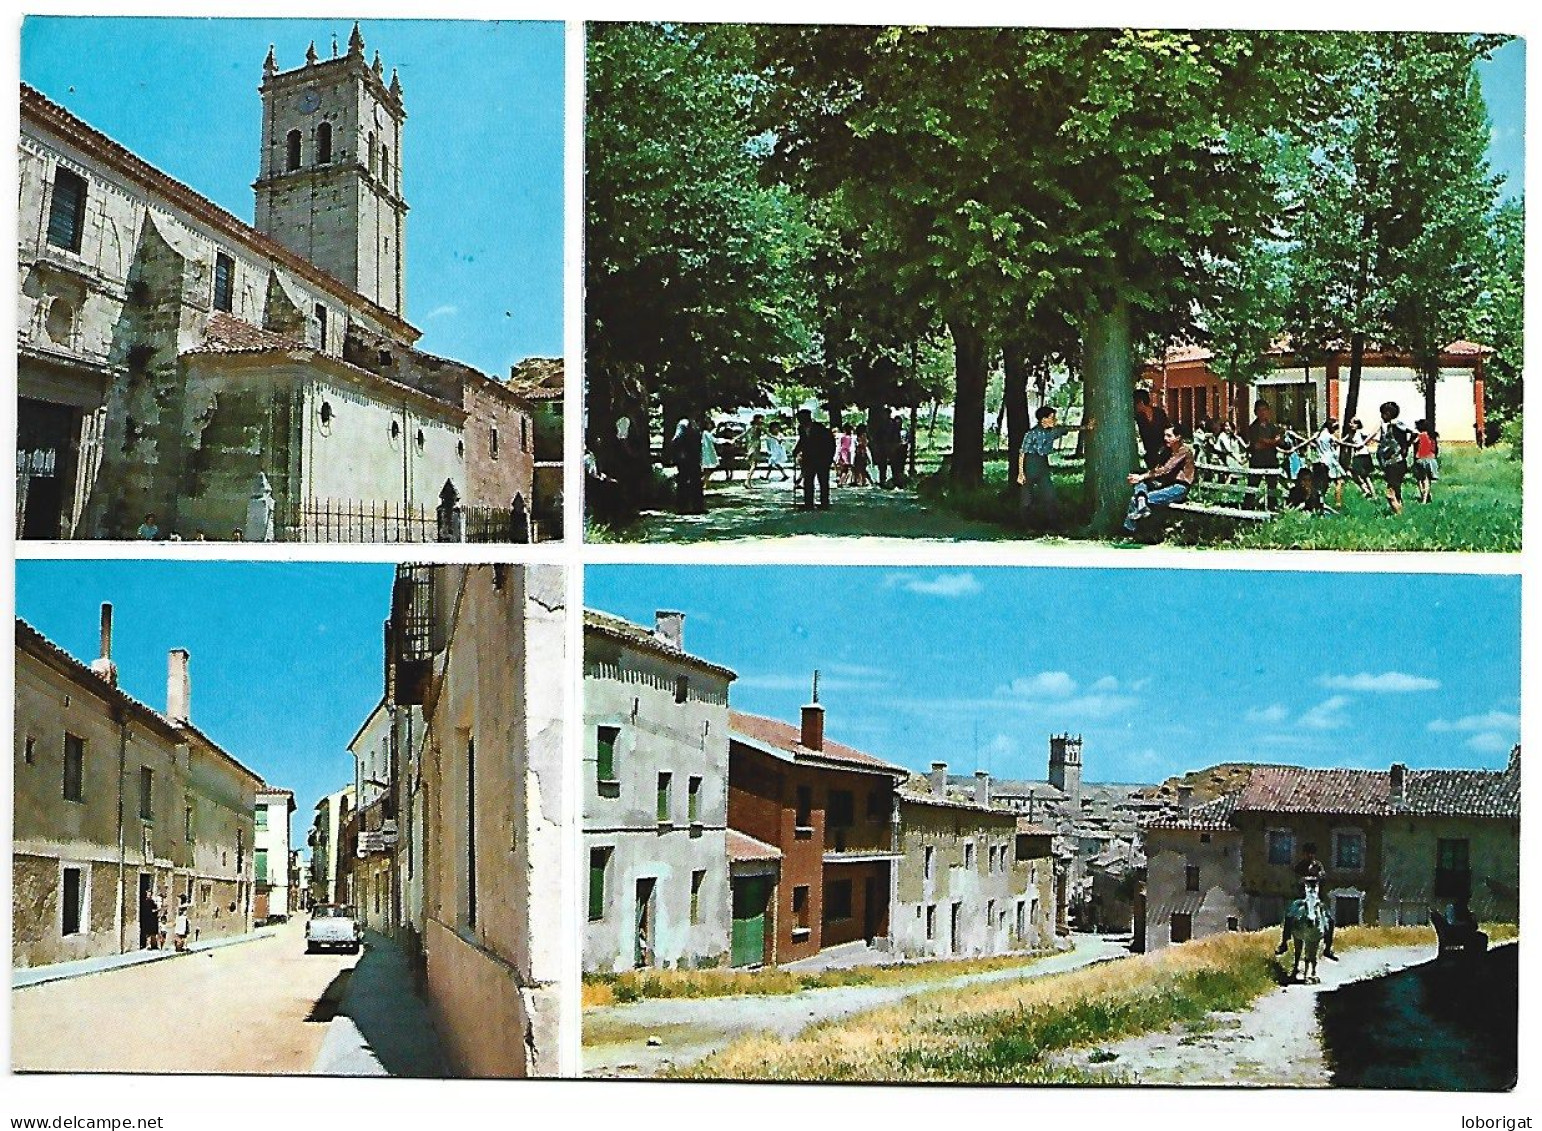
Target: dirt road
1276,1042
616,1038
261,1006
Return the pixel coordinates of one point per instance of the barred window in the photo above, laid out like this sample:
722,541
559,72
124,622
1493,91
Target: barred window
67,210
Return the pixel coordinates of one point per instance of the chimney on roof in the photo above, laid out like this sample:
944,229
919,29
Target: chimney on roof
982,787
1185,799
1399,781
939,779
179,687
103,665
669,628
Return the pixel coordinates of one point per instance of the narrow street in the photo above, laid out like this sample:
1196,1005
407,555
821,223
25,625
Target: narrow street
617,1038
255,1007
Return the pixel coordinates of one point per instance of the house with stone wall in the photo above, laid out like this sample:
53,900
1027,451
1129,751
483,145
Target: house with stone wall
1393,844
655,808
967,884
475,649
257,378
116,802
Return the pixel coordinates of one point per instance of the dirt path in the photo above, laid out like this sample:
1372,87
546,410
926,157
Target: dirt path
765,511
616,1038
1277,1042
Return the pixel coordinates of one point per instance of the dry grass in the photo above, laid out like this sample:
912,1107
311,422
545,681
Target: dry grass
634,985
1002,1032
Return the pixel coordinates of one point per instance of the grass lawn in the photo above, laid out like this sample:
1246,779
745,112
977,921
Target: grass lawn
634,985
1002,1032
1476,507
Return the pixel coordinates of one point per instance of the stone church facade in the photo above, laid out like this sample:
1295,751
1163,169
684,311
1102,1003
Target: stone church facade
247,381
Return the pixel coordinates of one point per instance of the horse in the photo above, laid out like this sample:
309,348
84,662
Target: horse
1306,923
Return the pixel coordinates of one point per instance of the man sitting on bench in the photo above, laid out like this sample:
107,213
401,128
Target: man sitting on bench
1165,484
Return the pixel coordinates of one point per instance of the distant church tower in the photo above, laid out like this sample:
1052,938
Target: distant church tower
330,186
1065,766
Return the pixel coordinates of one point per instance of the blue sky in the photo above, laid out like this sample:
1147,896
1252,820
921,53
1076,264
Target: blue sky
1162,671
286,658
481,164
1504,89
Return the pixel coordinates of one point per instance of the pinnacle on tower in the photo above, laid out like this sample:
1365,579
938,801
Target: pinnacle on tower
396,86
270,64
310,54
334,45
378,69
356,41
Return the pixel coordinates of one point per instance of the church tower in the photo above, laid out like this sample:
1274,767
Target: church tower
1065,766
330,184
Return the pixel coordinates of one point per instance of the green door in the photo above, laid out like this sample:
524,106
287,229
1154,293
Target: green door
751,894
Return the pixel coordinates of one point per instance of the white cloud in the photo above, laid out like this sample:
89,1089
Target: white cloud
1490,742
1272,715
445,311
1327,715
942,585
1054,685
1380,682
1107,683
1490,721
1096,706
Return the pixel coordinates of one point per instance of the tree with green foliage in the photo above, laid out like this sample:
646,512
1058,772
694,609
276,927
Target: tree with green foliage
1438,233
1501,311
694,292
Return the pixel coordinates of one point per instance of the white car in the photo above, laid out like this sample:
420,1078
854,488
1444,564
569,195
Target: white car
333,927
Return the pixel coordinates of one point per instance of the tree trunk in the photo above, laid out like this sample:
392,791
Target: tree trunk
1107,394
1429,380
1356,364
969,376
1014,400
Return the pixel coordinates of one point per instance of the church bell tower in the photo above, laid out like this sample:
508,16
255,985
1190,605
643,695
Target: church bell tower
330,183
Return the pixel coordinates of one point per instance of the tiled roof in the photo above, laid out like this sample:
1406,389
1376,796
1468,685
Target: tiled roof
1289,789
742,846
618,628
783,736
1029,828
226,333
918,797
1212,816
1462,793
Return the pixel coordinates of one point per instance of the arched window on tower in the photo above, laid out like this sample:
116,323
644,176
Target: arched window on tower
385,165
292,151
324,143
372,153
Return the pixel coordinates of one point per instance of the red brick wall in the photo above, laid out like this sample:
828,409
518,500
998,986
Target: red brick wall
495,481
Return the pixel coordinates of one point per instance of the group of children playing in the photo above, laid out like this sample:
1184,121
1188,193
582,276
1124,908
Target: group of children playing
1315,464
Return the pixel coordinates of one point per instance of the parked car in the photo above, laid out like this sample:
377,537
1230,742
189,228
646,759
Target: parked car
333,926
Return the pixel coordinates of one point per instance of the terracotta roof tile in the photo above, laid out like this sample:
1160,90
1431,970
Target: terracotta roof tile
226,333
783,736
1288,789
742,846
1462,793
1212,816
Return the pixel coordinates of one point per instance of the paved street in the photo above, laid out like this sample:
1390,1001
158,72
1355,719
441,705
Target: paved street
260,1007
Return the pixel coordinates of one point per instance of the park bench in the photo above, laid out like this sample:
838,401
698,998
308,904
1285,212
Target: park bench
1223,491
1457,939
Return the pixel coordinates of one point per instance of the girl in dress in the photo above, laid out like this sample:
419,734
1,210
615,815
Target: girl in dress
1426,467
1356,451
860,459
845,454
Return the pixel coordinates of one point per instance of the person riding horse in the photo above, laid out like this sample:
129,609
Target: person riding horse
1311,868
